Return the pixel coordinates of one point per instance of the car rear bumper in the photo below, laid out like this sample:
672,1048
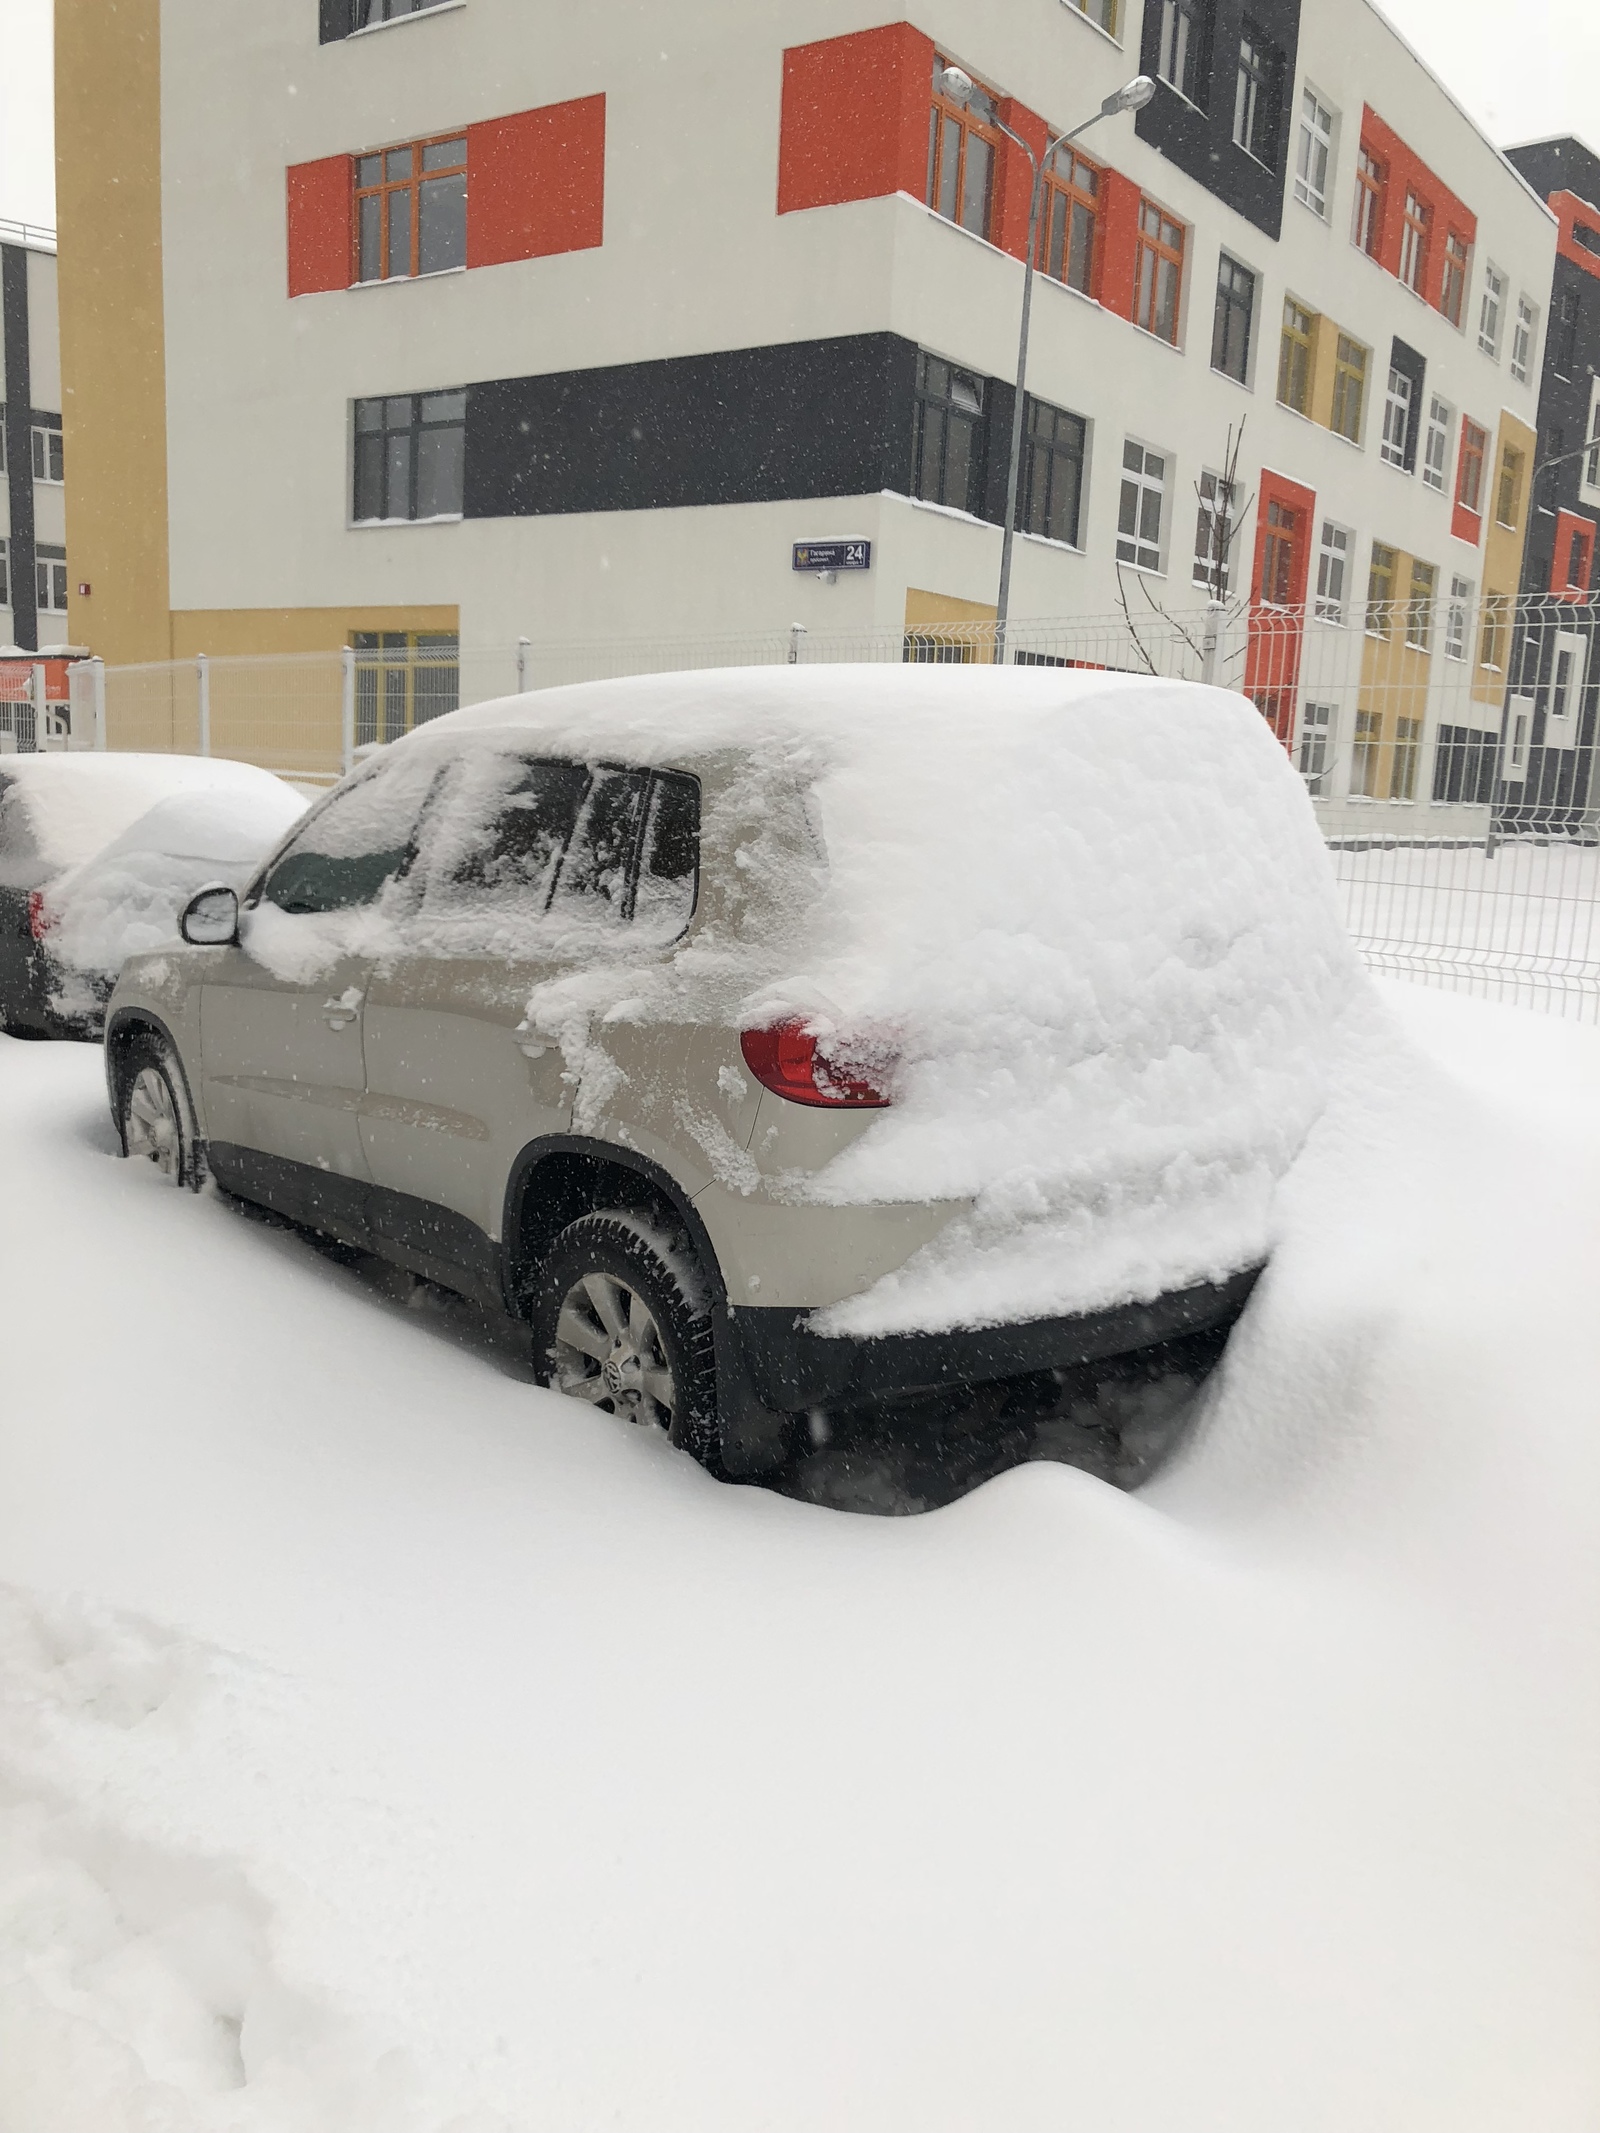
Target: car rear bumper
789,1368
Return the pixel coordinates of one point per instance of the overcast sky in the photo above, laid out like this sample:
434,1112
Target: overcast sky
1523,68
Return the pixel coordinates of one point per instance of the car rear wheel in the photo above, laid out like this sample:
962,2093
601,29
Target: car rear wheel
620,1321
153,1112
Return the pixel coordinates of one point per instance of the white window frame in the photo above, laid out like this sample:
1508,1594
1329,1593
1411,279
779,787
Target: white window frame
1333,555
50,579
1435,454
1143,483
1213,487
1589,465
1567,685
1514,754
1249,82
1524,339
1413,239
1492,310
1392,446
1311,141
1458,620
46,434
1315,747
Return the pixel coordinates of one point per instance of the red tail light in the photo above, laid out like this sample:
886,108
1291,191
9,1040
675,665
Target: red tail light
786,1060
39,919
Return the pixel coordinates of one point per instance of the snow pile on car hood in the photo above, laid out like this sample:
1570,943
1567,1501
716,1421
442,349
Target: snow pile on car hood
129,897
1091,916
58,810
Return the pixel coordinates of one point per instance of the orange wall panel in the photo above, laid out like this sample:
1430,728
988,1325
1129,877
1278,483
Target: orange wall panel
1119,241
319,226
536,183
1573,584
1408,173
854,123
1569,210
1012,199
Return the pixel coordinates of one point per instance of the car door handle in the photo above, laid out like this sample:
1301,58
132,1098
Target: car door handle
339,1014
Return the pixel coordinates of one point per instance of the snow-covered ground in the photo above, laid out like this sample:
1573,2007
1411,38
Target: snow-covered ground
385,1744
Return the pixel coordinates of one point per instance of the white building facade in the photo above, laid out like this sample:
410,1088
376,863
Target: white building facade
497,320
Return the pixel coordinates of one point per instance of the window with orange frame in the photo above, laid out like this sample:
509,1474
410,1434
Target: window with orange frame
962,141
1069,221
1158,280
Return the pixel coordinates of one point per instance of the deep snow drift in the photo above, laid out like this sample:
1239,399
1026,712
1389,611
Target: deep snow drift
388,1745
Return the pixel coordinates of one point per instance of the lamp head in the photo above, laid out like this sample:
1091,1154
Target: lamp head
957,84
1132,96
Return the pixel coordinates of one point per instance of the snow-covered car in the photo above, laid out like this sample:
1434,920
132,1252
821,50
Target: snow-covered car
129,898
777,1042
58,812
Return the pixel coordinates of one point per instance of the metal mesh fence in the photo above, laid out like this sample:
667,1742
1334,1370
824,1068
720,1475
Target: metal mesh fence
1447,741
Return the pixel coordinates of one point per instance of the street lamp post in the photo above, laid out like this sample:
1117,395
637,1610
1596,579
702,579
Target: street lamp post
1132,96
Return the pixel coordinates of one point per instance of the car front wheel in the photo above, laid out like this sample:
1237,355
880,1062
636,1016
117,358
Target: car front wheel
620,1321
153,1112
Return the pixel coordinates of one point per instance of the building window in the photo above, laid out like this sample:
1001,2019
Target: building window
1069,221
1436,445
1280,553
50,579
1508,500
1313,153
411,210
403,679
1213,537
1181,54
1333,556
1414,243
410,456
1523,335
949,434
1052,496
367,12
1380,590
1349,388
1396,419
1364,754
1463,766
1453,295
1235,316
1491,311
1159,286
1371,185
1407,753
1568,315
1566,680
1474,451
1457,618
1580,558
962,139
1255,95
48,462
1317,723
1492,637
1106,14
1294,356
5,574
1419,607
1142,507
1591,462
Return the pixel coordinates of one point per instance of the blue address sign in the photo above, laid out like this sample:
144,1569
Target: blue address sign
833,555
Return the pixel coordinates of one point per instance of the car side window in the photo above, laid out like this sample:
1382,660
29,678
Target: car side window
596,878
669,866
505,827
353,846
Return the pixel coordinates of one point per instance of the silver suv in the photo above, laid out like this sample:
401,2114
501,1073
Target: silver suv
773,1043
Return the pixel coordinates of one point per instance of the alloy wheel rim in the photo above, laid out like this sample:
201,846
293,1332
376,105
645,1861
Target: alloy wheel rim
153,1123
609,1352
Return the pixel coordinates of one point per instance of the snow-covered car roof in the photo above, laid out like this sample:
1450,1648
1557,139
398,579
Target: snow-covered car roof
1091,914
58,810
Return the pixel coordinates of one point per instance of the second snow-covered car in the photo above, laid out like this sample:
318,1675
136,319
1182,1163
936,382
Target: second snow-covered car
776,1042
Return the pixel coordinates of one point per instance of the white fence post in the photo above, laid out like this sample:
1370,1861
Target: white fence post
1211,642
202,668
522,665
97,669
347,709
36,690
797,630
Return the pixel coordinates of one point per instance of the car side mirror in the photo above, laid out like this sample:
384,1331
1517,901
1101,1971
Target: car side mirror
211,917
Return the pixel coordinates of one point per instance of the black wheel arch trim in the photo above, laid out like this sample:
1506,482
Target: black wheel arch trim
123,1025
